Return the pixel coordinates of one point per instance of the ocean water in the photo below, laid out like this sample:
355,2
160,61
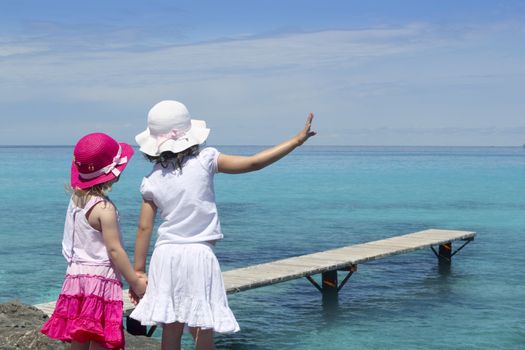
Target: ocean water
315,199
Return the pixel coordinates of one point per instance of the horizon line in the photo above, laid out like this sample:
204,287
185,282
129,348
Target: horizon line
270,145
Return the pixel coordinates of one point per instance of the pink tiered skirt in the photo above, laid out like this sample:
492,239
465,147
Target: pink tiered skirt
89,307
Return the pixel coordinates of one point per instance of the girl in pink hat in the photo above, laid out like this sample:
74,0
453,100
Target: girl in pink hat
185,285
88,312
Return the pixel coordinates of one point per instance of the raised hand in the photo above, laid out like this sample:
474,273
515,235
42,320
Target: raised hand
242,164
306,133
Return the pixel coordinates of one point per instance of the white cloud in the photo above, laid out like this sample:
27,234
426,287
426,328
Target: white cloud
19,45
250,56
353,79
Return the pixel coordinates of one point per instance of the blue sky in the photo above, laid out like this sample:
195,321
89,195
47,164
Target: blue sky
373,72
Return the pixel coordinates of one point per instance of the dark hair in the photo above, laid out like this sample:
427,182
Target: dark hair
176,159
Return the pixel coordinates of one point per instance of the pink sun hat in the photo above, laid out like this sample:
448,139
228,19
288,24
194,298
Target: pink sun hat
98,158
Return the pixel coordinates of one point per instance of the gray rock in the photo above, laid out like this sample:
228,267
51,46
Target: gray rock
20,329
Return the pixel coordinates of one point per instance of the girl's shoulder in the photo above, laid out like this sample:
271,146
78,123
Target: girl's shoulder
100,205
93,207
208,150
208,158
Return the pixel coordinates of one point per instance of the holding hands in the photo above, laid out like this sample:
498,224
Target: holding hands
137,290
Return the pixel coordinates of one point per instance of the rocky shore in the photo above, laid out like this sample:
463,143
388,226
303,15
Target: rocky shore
20,329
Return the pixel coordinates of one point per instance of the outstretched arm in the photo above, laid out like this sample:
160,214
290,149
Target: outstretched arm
148,211
243,164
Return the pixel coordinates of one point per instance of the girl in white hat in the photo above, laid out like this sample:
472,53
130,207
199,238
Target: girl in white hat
185,286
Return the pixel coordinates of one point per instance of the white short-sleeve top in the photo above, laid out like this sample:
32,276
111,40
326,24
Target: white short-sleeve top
185,199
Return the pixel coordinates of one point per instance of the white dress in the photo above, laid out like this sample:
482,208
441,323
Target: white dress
184,280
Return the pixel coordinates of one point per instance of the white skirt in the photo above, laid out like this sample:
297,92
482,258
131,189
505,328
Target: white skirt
185,285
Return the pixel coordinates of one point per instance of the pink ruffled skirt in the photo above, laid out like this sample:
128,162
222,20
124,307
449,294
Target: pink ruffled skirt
89,307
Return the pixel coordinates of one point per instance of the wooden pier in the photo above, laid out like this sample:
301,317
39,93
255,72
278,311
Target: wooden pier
329,262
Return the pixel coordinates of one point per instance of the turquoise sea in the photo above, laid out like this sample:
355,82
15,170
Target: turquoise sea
315,199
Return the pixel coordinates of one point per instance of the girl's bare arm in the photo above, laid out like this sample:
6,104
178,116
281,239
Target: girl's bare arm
107,217
148,211
242,164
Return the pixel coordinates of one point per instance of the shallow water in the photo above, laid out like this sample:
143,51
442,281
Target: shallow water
315,199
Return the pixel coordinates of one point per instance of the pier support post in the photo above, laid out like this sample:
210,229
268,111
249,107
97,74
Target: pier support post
330,293
445,252
330,283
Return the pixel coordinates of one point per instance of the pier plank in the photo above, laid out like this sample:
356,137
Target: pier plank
265,274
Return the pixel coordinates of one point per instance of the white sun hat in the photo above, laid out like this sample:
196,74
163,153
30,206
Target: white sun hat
170,128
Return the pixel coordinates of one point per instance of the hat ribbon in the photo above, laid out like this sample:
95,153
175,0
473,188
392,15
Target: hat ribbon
173,134
117,160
